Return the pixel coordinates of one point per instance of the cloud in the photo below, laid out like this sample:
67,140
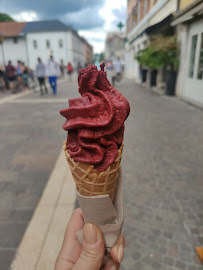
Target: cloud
120,14
26,16
84,19
52,9
94,18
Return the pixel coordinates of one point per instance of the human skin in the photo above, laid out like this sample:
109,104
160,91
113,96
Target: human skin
89,255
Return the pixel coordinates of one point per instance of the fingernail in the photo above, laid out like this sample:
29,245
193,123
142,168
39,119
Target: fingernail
113,267
120,253
90,233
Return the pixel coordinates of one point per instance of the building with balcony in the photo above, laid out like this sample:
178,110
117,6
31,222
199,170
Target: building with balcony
114,45
144,19
189,23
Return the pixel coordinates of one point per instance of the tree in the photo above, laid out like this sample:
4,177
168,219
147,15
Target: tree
101,58
5,18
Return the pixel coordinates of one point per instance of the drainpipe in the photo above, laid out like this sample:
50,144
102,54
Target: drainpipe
178,5
4,61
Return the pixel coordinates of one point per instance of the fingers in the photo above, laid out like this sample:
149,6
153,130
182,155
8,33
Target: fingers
111,265
71,248
117,251
92,249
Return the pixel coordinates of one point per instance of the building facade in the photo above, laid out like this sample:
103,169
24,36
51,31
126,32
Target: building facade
88,52
189,23
28,41
114,45
145,18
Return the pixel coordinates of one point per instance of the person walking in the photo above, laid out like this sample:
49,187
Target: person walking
53,72
40,73
62,69
118,67
79,67
70,71
19,72
10,72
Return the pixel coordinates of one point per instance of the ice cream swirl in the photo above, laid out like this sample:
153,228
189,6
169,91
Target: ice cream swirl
95,122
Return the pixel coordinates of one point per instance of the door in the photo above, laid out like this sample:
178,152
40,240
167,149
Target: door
193,88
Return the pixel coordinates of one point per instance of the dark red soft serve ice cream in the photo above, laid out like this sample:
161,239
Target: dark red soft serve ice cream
95,122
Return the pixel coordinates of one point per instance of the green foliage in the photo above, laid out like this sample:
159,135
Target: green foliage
101,57
162,51
5,18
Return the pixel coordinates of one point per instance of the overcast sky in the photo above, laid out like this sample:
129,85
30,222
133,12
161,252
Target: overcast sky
92,18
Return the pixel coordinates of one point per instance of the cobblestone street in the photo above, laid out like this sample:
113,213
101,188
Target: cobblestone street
162,173
163,181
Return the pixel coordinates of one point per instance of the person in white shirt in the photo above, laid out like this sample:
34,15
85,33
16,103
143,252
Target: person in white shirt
53,72
118,67
40,73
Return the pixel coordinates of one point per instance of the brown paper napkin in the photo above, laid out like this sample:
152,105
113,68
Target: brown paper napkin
108,216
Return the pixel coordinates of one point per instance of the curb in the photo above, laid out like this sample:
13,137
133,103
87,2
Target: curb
44,235
25,93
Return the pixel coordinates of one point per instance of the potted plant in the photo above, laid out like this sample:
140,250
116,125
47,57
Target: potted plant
147,58
161,52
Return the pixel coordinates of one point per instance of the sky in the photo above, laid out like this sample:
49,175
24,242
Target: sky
91,18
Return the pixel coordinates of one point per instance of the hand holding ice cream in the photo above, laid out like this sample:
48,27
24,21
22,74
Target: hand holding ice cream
95,125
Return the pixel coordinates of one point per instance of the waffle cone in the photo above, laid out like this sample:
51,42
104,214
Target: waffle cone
89,181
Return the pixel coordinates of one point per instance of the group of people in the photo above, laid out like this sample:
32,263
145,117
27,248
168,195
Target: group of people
52,71
19,77
16,77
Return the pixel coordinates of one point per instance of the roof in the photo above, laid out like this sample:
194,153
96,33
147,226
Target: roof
44,26
11,29
14,29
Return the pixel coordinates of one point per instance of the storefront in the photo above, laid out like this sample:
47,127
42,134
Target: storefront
189,23
193,87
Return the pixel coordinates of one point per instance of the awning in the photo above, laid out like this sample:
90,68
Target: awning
159,27
156,28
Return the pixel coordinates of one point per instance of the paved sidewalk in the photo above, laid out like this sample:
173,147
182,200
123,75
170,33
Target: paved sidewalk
31,138
162,169
43,238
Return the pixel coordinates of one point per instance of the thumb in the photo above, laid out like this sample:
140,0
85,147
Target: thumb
92,249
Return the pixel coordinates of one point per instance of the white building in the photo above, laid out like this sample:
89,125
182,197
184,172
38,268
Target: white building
28,41
189,23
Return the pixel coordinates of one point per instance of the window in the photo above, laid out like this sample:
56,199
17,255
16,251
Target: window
15,40
35,44
60,43
200,65
145,6
48,44
139,11
192,56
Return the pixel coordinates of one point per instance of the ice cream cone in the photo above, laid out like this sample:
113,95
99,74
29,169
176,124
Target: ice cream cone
89,181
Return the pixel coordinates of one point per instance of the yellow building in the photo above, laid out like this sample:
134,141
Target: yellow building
189,22
145,18
185,3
